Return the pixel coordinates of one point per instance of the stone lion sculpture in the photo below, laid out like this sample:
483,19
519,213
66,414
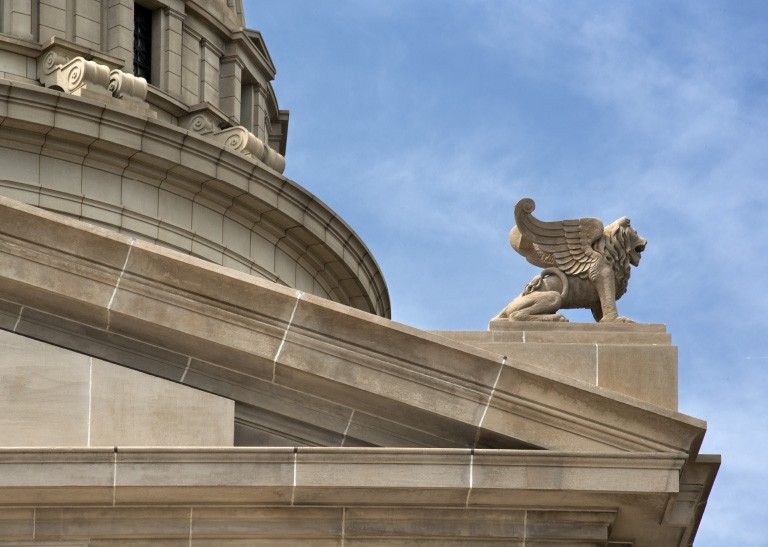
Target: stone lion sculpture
585,265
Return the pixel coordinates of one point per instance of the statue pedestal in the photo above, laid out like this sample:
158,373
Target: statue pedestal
633,359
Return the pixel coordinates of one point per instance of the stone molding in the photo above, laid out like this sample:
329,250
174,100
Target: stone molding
307,475
99,136
494,494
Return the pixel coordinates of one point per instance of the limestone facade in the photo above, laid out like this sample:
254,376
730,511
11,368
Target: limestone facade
418,435
196,351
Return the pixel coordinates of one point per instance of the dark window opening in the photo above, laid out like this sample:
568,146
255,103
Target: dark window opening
142,42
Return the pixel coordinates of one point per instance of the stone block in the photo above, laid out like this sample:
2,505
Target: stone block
63,203
13,63
175,239
572,526
102,186
285,267
262,251
426,475
16,524
207,223
20,166
119,131
53,17
370,385
369,430
88,30
133,409
648,373
434,524
262,523
637,360
577,361
99,343
44,394
175,209
22,192
115,523
51,477
177,476
303,417
467,367
55,267
140,197
161,141
304,280
535,470
9,315
221,326
207,250
100,215
236,237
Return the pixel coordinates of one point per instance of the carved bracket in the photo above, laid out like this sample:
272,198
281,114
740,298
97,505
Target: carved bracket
127,86
78,76
237,139
75,76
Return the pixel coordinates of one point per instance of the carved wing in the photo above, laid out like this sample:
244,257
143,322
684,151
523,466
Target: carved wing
566,244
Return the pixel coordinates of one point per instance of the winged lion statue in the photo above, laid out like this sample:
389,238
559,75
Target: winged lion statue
586,265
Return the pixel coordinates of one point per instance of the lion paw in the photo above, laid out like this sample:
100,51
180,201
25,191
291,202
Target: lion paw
618,319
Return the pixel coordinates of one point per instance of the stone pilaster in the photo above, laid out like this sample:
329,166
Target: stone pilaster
86,23
230,86
172,25
190,65
210,68
119,35
17,15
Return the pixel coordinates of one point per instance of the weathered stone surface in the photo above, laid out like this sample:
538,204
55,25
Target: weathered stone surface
44,394
452,496
637,360
51,396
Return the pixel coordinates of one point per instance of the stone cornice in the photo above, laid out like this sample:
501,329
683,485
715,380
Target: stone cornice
500,495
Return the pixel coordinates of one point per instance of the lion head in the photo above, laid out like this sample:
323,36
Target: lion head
622,246
625,241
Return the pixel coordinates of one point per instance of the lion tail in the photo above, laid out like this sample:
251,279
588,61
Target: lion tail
536,282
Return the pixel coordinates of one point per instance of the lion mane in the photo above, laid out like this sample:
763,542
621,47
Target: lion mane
615,246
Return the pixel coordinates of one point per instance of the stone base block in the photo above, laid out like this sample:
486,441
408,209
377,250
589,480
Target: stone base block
637,360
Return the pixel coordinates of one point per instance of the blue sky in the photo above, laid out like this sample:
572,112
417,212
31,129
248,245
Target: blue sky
422,122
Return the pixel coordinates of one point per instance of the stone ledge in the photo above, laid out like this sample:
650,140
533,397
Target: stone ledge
507,325
637,360
437,493
322,475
